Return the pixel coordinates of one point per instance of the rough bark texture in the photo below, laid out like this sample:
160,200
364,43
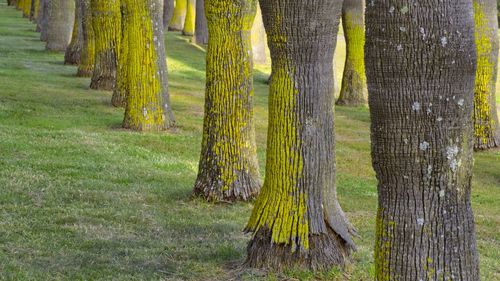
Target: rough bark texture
25,7
353,91
189,21
179,16
11,2
120,92
201,29
35,7
487,127
297,220
73,52
60,17
148,105
168,12
420,63
87,55
42,10
229,168
106,24
259,42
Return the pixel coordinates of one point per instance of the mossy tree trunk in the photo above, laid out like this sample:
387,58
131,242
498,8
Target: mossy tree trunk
201,29
60,17
148,105
228,169
297,220
120,92
168,12
35,8
420,62
73,52
25,7
189,21
106,23
11,2
179,16
259,42
487,127
87,55
353,91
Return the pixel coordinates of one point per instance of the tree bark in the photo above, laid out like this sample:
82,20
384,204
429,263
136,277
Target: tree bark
420,63
297,220
189,21
120,92
168,12
201,29
353,91
25,7
87,55
487,128
229,169
106,24
11,2
35,6
73,52
259,42
148,105
41,18
60,19
179,16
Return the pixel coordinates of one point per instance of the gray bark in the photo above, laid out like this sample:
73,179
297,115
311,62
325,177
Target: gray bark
420,64
201,29
60,17
168,11
73,52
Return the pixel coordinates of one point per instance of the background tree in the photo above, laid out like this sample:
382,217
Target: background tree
201,29
40,17
106,24
487,128
189,21
353,91
73,52
120,92
420,67
228,167
35,8
148,105
179,16
168,12
60,17
87,55
297,220
259,42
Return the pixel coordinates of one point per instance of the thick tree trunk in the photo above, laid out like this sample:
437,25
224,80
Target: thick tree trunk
120,92
168,12
73,52
420,67
87,55
179,16
189,21
487,127
228,168
353,91
148,105
60,17
201,29
25,7
259,42
41,18
297,220
35,6
106,23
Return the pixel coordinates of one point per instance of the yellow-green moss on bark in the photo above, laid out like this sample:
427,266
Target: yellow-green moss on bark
189,21
87,56
179,16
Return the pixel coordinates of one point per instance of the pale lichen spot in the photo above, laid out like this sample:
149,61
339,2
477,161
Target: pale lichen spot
415,106
451,155
460,102
420,221
391,9
424,146
404,10
399,47
439,119
402,29
444,41
442,193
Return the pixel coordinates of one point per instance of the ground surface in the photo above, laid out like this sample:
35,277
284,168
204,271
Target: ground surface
81,199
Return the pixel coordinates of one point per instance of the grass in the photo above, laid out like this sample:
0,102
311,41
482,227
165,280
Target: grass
81,199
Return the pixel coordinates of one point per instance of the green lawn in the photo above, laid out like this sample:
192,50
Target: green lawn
82,199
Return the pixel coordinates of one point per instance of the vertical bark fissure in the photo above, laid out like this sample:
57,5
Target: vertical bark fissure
420,64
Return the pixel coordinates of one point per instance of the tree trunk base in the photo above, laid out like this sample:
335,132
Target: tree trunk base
325,251
102,84
212,189
72,57
350,103
493,142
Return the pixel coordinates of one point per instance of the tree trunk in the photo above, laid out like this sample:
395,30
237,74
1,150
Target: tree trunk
106,24
41,18
148,105
11,2
228,168
297,220
353,91
420,67
35,6
259,42
201,29
168,12
60,19
189,21
487,128
25,7
73,52
87,55
120,92
179,16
